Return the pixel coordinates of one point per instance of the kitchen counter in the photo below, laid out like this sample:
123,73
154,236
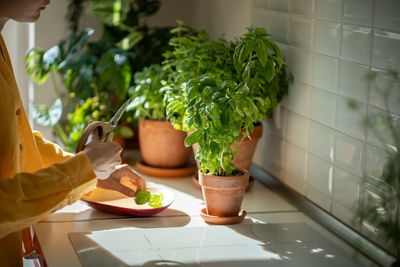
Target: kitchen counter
273,230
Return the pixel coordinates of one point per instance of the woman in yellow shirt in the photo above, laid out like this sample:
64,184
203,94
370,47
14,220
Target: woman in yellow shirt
36,176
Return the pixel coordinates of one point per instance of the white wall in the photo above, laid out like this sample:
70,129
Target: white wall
211,15
230,17
320,147
16,38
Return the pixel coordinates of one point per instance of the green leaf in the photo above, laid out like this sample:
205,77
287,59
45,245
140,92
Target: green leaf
48,116
244,52
179,30
125,132
55,111
192,138
130,40
110,12
50,56
262,52
269,70
273,46
37,70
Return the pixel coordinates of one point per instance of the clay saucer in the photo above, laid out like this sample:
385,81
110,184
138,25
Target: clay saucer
165,172
223,220
195,179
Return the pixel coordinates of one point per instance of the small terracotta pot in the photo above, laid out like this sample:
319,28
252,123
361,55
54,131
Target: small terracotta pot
223,195
161,145
245,154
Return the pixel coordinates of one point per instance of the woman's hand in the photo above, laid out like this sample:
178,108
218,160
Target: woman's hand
123,179
104,156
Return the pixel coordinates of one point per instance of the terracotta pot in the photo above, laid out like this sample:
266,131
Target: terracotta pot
245,154
161,145
223,195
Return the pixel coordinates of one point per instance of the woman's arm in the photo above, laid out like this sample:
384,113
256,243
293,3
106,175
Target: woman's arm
28,197
50,152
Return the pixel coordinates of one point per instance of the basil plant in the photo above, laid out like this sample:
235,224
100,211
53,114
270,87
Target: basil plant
218,89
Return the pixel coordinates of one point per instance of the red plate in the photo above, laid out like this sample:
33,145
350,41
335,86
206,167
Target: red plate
114,202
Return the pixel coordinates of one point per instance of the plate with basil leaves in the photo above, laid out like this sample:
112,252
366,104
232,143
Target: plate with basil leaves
147,202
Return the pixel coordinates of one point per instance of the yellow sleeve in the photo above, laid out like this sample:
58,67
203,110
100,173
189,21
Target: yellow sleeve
50,153
29,197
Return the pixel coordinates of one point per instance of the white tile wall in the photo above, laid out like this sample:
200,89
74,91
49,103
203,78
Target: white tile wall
319,175
386,49
384,85
375,159
357,12
348,153
300,64
328,37
380,134
352,82
318,198
345,215
299,98
356,43
277,24
325,72
323,106
329,152
301,31
281,5
346,188
297,129
303,7
350,120
295,167
329,9
386,14
321,141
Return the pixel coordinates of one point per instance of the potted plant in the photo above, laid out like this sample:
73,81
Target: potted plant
222,110
96,71
160,144
196,55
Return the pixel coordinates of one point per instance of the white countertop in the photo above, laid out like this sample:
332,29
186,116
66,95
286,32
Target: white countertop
188,201
263,206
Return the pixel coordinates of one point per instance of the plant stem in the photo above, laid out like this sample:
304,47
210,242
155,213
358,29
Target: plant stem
237,146
125,27
221,160
55,87
251,55
61,133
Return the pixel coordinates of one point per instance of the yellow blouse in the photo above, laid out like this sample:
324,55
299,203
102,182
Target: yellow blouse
36,176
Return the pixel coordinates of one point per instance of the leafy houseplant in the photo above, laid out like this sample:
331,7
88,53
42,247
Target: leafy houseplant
160,144
222,102
100,70
383,210
91,94
195,55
